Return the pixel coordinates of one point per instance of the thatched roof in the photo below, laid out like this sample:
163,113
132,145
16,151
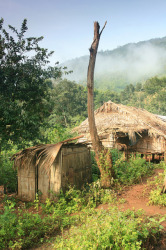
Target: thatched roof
114,118
43,155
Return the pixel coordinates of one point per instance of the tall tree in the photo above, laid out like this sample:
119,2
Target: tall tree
70,103
102,155
23,86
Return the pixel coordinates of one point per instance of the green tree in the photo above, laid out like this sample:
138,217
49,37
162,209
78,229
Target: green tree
154,84
155,95
70,104
23,86
100,97
127,94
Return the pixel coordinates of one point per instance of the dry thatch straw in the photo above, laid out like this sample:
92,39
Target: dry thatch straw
112,118
41,155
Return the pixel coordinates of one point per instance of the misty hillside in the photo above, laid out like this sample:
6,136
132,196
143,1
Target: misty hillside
126,64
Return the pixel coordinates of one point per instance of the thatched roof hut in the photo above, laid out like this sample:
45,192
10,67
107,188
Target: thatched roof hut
127,127
51,167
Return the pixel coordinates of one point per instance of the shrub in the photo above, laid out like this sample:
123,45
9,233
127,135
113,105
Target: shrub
116,155
77,200
156,197
8,175
132,171
8,222
22,230
110,230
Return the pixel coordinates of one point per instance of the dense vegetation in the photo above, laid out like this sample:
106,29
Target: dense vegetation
37,106
74,217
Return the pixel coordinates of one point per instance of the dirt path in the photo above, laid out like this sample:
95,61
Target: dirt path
136,197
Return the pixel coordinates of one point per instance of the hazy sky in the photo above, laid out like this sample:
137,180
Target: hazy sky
67,25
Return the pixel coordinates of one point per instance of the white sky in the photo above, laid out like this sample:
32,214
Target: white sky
67,25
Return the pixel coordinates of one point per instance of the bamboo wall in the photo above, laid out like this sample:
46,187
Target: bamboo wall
76,166
72,167
145,144
150,145
26,183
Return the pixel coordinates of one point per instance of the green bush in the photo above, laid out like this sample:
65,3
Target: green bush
77,200
8,175
116,155
8,222
132,171
116,230
156,197
110,230
22,230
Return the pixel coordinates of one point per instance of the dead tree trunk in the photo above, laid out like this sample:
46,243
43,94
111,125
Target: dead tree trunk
103,157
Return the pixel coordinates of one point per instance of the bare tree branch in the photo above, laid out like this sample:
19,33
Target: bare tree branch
103,28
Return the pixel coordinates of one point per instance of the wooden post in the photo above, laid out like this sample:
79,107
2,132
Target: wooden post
126,155
146,157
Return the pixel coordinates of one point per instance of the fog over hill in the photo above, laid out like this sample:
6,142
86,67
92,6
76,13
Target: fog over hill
130,63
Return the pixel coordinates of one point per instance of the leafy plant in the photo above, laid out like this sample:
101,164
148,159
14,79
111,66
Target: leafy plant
156,197
8,221
8,175
36,202
110,230
22,230
116,155
132,171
